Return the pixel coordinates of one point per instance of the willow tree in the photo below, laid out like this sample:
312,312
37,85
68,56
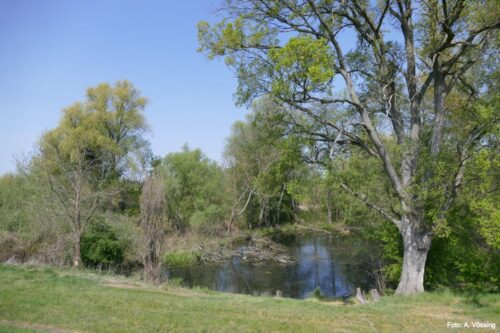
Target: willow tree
400,82
118,112
83,154
263,163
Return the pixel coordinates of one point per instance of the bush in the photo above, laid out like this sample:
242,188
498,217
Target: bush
180,259
317,294
461,260
100,247
195,191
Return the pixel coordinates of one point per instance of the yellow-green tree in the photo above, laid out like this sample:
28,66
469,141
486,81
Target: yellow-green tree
88,150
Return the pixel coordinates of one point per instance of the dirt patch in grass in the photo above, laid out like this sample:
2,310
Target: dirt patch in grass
37,327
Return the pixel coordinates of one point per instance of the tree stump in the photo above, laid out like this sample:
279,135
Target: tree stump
360,296
375,295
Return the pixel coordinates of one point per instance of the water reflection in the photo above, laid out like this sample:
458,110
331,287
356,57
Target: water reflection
321,262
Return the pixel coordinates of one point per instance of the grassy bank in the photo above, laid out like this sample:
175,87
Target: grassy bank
34,299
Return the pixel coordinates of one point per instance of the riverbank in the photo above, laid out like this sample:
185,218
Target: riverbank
38,299
253,246
309,262
259,245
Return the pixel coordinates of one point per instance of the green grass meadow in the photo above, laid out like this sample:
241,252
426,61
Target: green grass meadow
37,299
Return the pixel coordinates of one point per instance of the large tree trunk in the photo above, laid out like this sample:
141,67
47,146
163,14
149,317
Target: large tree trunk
416,247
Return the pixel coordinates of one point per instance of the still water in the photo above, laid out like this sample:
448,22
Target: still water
334,266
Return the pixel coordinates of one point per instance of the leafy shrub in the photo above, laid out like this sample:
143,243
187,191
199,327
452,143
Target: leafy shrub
100,247
461,260
195,190
182,258
317,294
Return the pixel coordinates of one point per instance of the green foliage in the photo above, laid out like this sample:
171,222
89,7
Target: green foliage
363,174
96,145
14,189
305,62
226,37
29,230
101,132
182,258
483,198
415,179
488,216
280,235
463,254
392,242
195,190
264,162
461,260
100,246
317,294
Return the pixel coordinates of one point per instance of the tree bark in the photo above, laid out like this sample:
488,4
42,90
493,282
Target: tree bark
278,208
151,265
235,214
262,213
153,225
416,247
360,296
439,109
329,205
395,115
77,258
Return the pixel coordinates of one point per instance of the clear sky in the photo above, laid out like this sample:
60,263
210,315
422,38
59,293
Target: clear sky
52,50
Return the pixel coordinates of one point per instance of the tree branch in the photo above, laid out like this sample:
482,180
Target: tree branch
364,200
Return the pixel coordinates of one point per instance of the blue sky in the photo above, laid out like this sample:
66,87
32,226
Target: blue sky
52,50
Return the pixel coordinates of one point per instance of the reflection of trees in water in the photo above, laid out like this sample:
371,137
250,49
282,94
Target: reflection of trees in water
240,276
316,261
336,267
334,288
316,267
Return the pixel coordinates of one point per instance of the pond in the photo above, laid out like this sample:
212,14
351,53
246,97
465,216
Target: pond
335,266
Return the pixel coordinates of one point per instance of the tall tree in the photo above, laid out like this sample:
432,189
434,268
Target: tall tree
262,161
82,155
410,58
71,167
118,113
195,190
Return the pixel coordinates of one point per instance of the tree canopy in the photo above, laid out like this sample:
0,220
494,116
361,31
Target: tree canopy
86,153
407,77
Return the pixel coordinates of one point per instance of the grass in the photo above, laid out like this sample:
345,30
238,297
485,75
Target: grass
181,258
35,299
